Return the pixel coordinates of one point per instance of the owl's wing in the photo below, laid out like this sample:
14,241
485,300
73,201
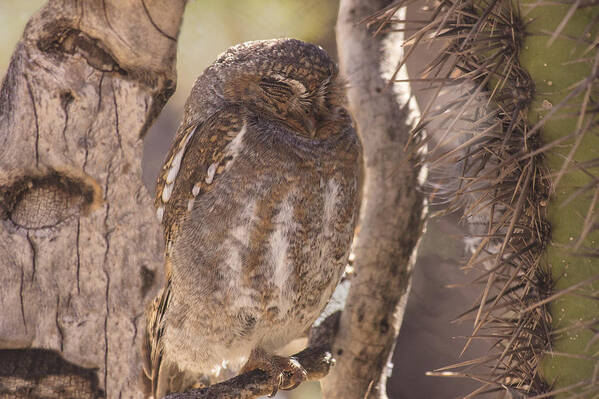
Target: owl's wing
196,158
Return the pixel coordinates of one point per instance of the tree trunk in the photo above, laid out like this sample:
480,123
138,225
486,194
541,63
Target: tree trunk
392,213
80,249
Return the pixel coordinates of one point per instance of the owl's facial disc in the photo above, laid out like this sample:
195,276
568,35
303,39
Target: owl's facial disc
310,113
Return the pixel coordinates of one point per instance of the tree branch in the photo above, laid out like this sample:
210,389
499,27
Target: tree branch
392,213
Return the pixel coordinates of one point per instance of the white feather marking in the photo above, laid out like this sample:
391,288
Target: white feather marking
210,173
242,299
279,244
234,147
196,189
190,204
234,261
241,235
330,203
176,162
240,240
175,165
160,213
167,191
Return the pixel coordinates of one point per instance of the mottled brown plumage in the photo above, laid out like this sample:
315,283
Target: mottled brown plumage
258,199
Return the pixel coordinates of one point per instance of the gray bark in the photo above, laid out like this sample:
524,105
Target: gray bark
80,248
392,212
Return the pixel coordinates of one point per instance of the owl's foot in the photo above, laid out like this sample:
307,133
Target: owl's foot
286,372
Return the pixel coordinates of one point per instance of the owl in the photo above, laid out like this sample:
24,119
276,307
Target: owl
258,200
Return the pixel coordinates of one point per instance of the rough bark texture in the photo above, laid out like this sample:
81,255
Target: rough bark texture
392,213
80,249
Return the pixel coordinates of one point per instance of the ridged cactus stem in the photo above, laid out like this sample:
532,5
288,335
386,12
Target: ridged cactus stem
562,66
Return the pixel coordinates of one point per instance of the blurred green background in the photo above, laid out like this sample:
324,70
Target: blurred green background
209,28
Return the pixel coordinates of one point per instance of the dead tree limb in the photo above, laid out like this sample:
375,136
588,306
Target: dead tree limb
392,213
80,249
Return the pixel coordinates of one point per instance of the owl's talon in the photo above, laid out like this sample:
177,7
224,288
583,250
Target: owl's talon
294,374
286,372
274,392
292,387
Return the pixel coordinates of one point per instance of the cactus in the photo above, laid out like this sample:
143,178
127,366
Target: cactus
525,132
564,70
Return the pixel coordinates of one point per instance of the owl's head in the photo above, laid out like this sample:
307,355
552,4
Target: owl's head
288,80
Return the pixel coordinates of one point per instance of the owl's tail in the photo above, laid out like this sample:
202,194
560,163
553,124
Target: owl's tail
161,375
152,345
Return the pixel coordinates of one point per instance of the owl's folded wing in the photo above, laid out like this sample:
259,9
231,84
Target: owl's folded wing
198,155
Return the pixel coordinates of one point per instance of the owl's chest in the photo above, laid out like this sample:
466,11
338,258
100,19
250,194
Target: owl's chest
282,256
272,247
278,238
268,242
